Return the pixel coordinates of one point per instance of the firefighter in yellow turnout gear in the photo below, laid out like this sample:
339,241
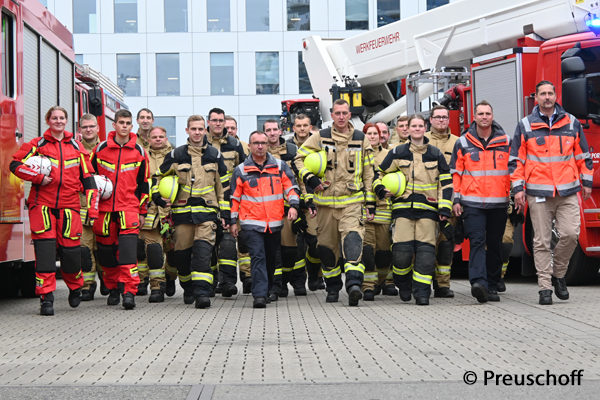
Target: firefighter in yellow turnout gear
441,137
88,127
150,247
417,212
347,185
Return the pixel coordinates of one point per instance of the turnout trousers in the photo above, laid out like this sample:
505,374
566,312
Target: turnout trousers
52,230
193,250
345,226
116,238
414,254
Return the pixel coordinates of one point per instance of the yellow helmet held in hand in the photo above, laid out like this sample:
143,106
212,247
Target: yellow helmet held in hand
316,163
395,183
167,187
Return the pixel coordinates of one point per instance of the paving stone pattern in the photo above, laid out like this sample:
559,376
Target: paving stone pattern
298,340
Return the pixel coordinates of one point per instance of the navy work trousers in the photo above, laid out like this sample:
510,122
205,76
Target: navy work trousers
485,228
265,257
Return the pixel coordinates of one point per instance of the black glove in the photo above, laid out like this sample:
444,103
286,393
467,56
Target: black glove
459,231
447,229
220,232
371,208
515,217
313,182
300,225
310,204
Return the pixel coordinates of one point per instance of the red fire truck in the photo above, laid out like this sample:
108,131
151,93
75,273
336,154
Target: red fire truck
38,71
460,54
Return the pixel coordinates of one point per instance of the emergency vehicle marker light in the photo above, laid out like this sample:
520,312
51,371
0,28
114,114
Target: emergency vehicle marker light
593,22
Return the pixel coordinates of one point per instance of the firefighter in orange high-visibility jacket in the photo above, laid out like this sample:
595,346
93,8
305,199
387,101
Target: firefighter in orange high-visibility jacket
54,206
125,164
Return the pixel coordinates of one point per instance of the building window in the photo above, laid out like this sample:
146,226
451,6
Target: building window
126,16
221,74
84,16
257,15
304,86
388,11
298,15
267,73
176,16
128,74
260,120
431,4
167,74
79,59
357,14
218,15
170,126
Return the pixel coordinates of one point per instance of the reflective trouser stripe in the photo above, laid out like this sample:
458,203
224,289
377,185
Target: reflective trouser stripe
278,271
300,264
143,266
442,269
214,267
351,267
426,279
232,263
185,278
89,276
157,273
404,271
333,273
312,260
171,269
243,260
287,269
201,276
390,274
370,277
504,266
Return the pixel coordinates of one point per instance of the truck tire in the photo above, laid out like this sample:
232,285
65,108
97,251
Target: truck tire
9,284
582,269
26,276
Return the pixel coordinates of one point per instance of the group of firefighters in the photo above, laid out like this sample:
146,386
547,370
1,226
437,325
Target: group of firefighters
346,221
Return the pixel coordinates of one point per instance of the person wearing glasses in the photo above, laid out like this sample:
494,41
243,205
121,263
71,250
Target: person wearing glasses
441,137
258,189
88,128
233,155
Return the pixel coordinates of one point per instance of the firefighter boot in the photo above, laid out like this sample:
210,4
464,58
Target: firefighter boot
354,295
74,298
114,297
47,304
171,288
143,287
369,295
88,295
156,296
202,301
128,301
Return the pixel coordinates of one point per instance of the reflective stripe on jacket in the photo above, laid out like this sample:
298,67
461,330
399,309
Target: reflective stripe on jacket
126,167
71,173
550,161
258,194
428,191
480,175
349,173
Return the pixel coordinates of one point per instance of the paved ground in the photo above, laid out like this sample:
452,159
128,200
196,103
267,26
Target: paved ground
300,347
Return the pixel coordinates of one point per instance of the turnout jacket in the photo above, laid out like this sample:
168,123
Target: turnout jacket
349,173
285,151
428,191
445,142
200,171
232,153
155,160
257,197
89,147
384,206
306,192
70,173
548,161
480,175
126,167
